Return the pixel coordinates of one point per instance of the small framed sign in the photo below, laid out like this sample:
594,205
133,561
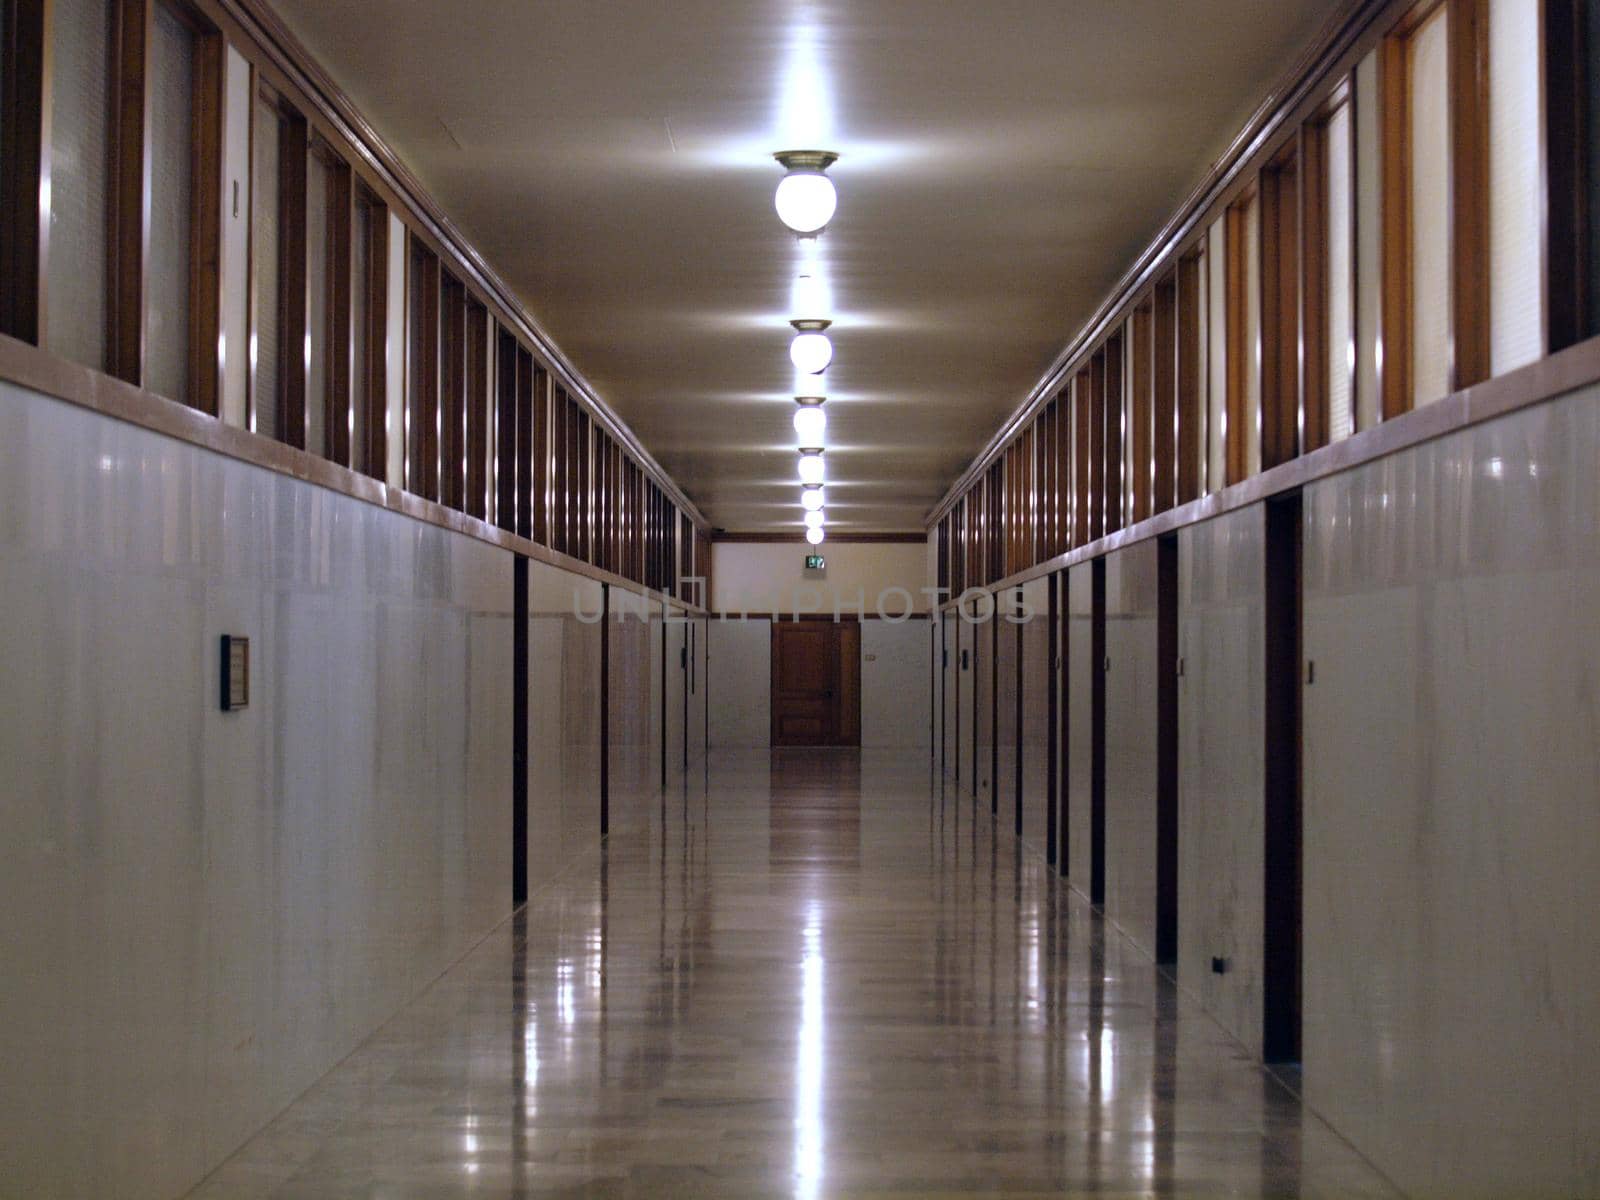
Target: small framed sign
235,672
815,562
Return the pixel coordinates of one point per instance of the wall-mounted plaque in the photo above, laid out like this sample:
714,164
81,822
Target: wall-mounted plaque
235,672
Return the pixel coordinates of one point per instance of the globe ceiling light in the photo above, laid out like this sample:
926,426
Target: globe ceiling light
806,197
814,536
810,422
811,351
811,466
813,519
811,497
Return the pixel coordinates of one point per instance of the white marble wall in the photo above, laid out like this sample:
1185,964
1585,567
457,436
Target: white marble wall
896,685
1221,767
1452,769
675,633
1036,680
966,641
205,910
741,684
563,720
1003,637
1078,690
631,780
1131,742
699,695
983,708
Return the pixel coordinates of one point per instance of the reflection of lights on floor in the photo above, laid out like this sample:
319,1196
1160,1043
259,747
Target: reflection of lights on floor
808,1074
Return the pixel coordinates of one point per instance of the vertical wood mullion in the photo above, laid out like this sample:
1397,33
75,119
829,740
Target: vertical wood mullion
1141,405
1468,74
1111,415
1164,408
341,206
376,401
1315,425
292,252
205,225
505,370
129,212
1240,359
527,399
1190,394
25,150
1567,57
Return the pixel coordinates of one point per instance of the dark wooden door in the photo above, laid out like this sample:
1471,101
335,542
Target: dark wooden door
813,684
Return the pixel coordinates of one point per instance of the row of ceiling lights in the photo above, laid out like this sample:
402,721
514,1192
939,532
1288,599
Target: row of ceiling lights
805,202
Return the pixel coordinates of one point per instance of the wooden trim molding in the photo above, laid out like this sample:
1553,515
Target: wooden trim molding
29,367
1547,379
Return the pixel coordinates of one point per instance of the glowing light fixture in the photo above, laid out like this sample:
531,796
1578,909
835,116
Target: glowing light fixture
811,497
811,466
806,197
814,536
810,422
811,351
814,519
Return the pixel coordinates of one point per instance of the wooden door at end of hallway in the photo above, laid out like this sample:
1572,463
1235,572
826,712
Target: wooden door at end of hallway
816,683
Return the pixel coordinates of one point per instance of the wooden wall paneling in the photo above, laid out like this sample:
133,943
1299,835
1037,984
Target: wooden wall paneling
538,460
505,479
25,179
1469,191
422,371
527,438
1084,449
1141,408
583,451
1065,450
1567,59
1111,506
560,465
477,394
375,401
339,340
205,220
1164,395
1313,252
129,209
293,148
452,391
1280,308
1241,356
1190,382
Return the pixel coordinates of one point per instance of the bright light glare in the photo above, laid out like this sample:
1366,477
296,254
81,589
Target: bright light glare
810,425
811,499
814,519
811,352
814,536
805,200
811,468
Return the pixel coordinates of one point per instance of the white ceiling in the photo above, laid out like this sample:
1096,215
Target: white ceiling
1000,166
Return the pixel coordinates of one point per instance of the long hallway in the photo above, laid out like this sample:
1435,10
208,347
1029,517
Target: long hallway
808,974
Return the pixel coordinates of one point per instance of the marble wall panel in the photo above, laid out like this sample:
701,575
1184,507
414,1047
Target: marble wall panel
206,910
1036,679
895,685
1221,766
1131,743
741,684
1078,688
1452,765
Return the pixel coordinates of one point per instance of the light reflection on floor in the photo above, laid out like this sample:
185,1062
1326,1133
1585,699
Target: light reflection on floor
818,974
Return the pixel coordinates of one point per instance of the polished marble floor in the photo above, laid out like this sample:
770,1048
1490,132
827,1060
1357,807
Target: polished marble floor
809,974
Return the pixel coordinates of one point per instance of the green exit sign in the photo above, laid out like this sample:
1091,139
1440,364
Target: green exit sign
814,562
